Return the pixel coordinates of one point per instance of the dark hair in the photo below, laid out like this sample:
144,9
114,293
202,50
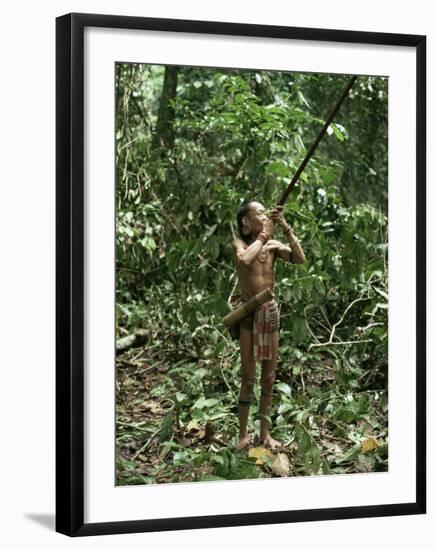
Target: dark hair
242,211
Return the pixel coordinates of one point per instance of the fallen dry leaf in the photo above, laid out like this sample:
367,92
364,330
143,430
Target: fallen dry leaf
193,425
260,453
281,465
334,448
153,406
195,429
369,445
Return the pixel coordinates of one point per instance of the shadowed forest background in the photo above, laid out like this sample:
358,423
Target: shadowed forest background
190,144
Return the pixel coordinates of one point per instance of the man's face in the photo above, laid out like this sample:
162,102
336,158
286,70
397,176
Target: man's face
256,217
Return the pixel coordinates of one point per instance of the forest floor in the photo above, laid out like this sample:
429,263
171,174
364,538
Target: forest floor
177,421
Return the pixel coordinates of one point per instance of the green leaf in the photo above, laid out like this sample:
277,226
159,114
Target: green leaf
180,458
302,98
285,407
148,243
337,132
210,402
180,397
279,167
199,403
283,388
304,442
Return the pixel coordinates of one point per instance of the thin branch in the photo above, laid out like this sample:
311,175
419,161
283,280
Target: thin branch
331,337
134,426
144,447
346,343
224,377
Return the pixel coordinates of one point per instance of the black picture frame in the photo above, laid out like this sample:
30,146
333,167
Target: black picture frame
70,273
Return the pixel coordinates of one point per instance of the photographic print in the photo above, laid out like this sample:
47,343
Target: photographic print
239,207
251,317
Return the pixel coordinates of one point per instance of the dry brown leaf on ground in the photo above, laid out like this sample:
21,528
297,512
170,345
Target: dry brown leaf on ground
261,454
281,465
369,445
193,425
195,429
333,448
153,406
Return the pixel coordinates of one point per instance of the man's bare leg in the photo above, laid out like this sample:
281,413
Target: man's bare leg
267,381
247,382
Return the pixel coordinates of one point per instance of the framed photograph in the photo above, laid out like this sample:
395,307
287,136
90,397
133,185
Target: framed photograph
240,274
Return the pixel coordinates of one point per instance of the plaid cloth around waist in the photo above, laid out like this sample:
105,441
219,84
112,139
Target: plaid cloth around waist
265,320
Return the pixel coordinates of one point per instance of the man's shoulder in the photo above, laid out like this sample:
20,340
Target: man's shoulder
238,243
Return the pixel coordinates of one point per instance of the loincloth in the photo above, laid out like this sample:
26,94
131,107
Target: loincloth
263,322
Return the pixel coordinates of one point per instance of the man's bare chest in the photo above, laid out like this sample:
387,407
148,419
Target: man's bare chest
264,256
263,263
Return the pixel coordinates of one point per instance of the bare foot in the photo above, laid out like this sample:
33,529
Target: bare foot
243,442
269,442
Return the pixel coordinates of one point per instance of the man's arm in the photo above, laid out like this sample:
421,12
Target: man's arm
294,252
246,255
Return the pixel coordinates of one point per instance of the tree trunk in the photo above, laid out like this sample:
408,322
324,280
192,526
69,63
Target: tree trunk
164,131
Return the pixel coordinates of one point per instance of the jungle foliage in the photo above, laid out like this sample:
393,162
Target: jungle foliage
190,144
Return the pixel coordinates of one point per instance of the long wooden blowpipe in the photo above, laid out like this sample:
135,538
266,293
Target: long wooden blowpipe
313,147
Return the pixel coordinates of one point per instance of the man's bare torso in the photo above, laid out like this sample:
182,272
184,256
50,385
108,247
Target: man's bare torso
259,275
